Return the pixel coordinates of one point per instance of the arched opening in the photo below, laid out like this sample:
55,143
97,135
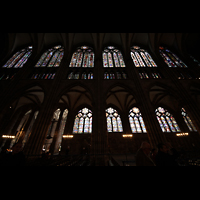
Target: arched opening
21,114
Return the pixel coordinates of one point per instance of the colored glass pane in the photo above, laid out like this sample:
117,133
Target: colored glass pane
134,60
82,57
188,121
114,123
112,57
141,58
171,59
121,59
51,58
83,121
110,60
80,128
136,121
145,59
116,60
19,58
166,120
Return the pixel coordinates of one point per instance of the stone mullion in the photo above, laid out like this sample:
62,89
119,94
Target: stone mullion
152,126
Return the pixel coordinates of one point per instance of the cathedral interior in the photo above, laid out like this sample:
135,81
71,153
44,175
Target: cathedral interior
98,95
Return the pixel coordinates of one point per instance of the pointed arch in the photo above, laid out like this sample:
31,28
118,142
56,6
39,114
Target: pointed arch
112,57
171,59
114,123
51,58
19,58
82,57
166,120
83,121
136,121
141,58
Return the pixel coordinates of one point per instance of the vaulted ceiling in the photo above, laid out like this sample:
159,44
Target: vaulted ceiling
120,97
75,97
31,96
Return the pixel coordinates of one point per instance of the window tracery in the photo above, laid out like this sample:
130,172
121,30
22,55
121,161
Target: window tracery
82,57
48,63
17,61
82,64
136,121
171,59
51,58
166,120
112,57
141,58
19,58
114,123
83,121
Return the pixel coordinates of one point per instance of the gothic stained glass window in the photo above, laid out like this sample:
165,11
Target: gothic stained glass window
83,121
170,58
112,57
188,121
166,120
51,58
114,123
52,129
136,121
112,75
141,58
83,57
19,58
60,132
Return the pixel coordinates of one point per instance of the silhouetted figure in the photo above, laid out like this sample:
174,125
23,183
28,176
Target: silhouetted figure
166,155
142,157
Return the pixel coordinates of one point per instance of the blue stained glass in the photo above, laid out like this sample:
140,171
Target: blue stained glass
105,61
166,120
171,59
83,121
75,129
170,124
47,59
109,124
91,60
90,128
135,60
110,60
132,125
19,58
116,60
141,58
121,59
136,121
83,57
11,60
80,129
85,60
111,54
43,76
41,59
119,124
114,123
51,58
58,61
142,124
